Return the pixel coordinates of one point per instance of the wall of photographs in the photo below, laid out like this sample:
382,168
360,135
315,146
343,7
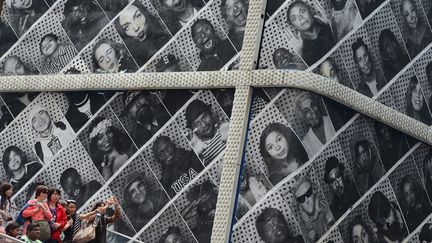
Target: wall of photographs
316,171
159,152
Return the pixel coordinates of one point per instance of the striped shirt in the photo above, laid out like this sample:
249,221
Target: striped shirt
54,65
214,147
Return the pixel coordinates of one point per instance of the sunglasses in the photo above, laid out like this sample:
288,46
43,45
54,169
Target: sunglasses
302,198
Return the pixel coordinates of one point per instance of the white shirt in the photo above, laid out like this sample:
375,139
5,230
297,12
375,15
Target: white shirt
311,142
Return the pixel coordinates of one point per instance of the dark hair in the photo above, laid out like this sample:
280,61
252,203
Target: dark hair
387,34
364,143
198,22
223,7
121,142
67,174
408,179
11,226
68,22
154,28
172,229
356,45
50,35
4,199
280,50
141,178
415,8
51,191
294,3
197,190
40,189
429,71
98,204
160,140
409,109
31,226
358,221
379,208
297,150
5,158
266,214
331,163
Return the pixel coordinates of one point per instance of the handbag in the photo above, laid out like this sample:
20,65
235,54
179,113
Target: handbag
45,230
85,234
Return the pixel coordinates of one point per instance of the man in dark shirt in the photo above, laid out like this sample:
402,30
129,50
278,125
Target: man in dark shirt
148,115
70,181
179,166
82,106
344,192
215,52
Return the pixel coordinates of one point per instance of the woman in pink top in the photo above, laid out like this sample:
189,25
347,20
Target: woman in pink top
38,210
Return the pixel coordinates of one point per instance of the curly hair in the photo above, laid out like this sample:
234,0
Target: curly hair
409,109
388,35
119,49
298,2
295,146
6,155
121,142
265,215
358,221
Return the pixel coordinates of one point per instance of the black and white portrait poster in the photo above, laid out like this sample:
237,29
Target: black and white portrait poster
160,153
315,170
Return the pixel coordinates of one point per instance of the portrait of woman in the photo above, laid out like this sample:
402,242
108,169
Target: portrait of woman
109,146
394,57
141,32
25,13
51,136
18,169
142,201
415,102
418,33
281,150
112,57
312,36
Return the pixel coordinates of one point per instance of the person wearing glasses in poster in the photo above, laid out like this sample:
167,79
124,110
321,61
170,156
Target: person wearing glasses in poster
314,212
387,219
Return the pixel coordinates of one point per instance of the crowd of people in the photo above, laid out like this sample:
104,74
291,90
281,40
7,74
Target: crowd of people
46,218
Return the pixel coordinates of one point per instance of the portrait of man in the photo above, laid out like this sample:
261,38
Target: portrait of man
82,106
172,235
179,166
75,188
371,77
82,21
13,65
413,201
235,13
55,55
272,227
142,200
359,232
177,13
146,112
319,126
314,212
392,144
214,51
202,198
344,17
344,191
283,59
388,222
168,63
367,167
208,133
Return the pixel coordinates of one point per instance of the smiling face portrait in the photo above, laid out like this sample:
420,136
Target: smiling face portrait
362,60
307,106
417,100
70,181
163,150
409,13
235,12
134,23
137,191
306,197
13,66
13,159
41,121
282,58
277,145
203,35
300,16
48,45
272,226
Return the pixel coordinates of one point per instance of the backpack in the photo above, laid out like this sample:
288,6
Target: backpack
20,220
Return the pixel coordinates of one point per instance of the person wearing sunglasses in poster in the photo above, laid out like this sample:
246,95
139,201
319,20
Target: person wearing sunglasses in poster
314,212
387,218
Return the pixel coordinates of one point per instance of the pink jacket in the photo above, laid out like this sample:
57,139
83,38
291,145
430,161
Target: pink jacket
29,212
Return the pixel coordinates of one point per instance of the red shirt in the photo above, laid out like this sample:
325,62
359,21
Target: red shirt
60,216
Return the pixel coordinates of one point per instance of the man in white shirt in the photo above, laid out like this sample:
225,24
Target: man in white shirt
320,127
